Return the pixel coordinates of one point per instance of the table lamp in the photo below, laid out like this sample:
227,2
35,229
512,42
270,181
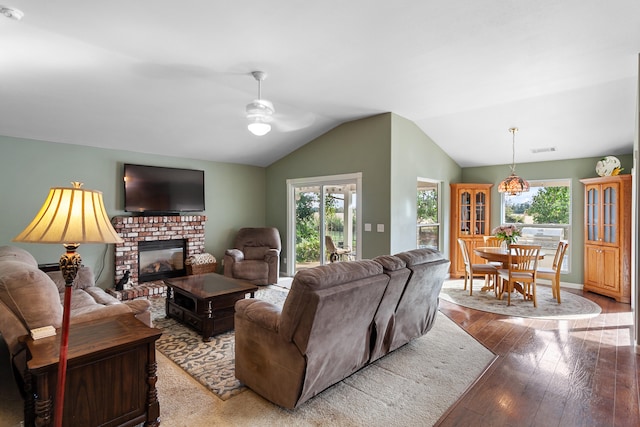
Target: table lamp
70,216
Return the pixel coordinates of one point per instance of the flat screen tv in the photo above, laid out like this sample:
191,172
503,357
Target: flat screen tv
153,189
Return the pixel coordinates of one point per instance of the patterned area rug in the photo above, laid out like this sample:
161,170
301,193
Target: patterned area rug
573,306
211,363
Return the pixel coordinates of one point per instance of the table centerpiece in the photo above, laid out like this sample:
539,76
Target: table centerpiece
507,233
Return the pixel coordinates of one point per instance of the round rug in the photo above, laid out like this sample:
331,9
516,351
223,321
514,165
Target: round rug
573,306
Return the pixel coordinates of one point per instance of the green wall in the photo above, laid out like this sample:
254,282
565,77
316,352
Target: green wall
235,194
357,146
574,170
391,152
414,155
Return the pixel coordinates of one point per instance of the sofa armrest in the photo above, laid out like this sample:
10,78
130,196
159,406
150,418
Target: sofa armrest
271,254
235,254
99,295
265,361
139,306
262,314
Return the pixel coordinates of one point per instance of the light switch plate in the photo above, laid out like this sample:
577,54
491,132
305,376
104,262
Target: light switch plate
367,227
380,228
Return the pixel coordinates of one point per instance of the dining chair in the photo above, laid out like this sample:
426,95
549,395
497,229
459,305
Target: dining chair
486,270
553,273
335,253
522,268
492,241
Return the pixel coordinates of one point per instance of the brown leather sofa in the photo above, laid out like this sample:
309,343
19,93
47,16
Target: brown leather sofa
336,319
255,256
31,298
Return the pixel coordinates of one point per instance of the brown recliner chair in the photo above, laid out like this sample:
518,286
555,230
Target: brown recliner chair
255,256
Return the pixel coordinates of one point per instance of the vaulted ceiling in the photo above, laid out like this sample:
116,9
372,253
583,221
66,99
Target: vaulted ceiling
174,78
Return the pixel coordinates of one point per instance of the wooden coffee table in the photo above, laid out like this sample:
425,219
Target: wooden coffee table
206,302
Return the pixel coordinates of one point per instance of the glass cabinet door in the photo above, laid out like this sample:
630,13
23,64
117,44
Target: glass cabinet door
473,207
465,212
592,213
481,213
601,206
609,213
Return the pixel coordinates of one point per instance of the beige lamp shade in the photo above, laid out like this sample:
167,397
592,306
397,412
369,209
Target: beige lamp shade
71,215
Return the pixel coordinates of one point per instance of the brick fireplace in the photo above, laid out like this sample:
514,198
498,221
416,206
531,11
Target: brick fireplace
135,229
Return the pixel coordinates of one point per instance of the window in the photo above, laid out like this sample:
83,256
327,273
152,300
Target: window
543,215
428,215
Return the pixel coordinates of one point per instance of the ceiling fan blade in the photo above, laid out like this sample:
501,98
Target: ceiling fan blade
291,123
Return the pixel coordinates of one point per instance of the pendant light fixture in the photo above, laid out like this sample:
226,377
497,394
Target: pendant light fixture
513,184
259,111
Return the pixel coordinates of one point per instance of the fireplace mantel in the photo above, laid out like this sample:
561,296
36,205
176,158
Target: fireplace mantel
134,229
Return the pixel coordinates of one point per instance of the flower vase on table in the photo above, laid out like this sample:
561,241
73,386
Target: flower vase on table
508,234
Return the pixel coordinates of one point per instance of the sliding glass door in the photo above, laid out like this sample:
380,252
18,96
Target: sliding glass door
322,220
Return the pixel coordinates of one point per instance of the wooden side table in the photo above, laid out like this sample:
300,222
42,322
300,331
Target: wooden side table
111,375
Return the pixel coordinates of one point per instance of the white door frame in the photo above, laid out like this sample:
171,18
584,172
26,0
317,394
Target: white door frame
291,206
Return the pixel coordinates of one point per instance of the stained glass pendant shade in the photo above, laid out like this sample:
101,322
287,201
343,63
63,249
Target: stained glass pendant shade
513,184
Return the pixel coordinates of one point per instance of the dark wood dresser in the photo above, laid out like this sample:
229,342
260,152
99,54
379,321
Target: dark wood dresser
111,375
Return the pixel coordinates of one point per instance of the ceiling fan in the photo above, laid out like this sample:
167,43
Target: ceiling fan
261,114
259,111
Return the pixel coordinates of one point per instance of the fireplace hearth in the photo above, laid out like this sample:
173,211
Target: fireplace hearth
143,230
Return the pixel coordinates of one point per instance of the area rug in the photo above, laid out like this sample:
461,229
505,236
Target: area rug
211,363
412,386
573,306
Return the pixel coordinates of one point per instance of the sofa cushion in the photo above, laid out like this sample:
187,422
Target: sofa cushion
13,253
80,298
250,269
252,252
390,262
31,294
420,256
84,279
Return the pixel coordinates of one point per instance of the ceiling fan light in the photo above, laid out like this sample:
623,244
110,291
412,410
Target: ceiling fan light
258,127
259,115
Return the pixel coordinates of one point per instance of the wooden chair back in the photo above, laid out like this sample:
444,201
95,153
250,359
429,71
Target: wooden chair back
465,253
331,247
492,241
523,265
553,273
524,258
563,245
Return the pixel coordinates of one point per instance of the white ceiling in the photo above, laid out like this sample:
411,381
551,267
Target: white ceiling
173,78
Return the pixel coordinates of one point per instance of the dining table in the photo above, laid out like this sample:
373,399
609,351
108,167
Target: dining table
500,254
496,254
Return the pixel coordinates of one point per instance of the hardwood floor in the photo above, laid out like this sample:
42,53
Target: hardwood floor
552,372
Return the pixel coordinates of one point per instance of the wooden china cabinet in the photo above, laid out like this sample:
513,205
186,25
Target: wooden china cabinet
607,236
470,220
